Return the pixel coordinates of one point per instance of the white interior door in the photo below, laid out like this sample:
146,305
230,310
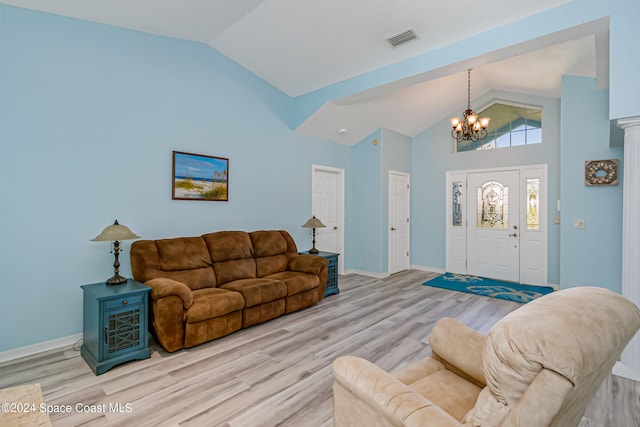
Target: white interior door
328,202
493,227
399,206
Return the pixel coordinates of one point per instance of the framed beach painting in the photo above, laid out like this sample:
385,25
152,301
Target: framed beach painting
200,177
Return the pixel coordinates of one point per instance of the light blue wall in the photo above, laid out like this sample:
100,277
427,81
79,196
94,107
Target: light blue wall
371,160
365,218
433,156
590,256
623,59
89,117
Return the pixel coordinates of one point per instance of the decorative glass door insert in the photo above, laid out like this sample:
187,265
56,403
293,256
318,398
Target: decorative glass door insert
533,204
457,204
493,205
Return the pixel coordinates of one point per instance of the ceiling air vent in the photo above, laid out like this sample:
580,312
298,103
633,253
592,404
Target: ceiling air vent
402,38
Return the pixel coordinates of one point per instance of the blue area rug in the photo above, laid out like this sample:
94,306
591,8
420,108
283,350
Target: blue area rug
488,287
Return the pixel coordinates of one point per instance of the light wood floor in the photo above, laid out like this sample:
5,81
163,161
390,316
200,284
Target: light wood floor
279,373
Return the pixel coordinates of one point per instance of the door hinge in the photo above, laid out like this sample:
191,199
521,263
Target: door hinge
408,186
407,220
407,253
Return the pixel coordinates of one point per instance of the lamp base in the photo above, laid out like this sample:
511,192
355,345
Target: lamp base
116,280
314,251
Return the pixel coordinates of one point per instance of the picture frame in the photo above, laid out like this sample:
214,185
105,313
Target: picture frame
200,177
601,172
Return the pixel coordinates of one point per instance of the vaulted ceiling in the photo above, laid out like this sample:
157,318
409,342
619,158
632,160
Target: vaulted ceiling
300,46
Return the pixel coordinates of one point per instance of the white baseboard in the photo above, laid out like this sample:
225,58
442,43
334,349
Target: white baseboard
622,370
386,273
430,269
29,350
367,273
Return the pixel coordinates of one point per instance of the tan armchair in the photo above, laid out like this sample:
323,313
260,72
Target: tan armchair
538,366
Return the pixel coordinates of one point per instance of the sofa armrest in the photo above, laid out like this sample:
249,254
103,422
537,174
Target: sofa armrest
308,264
365,395
459,348
162,287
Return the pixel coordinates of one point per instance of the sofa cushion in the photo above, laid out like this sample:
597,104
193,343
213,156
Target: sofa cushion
268,243
164,259
195,279
213,302
228,245
271,264
232,254
258,291
236,269
183,253
272,250
296,282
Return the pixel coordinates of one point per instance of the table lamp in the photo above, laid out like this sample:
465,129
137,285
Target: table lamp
314,223
115,233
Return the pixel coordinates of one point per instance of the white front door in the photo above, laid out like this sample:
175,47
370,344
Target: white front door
493,226
398,222
328,202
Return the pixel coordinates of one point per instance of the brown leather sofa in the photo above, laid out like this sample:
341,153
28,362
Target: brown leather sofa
206,287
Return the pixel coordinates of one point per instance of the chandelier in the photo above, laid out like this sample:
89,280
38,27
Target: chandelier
469,128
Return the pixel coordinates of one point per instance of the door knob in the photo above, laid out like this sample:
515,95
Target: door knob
513,235
335,227
393,229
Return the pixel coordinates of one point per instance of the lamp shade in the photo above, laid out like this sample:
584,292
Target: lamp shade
313,222
114,233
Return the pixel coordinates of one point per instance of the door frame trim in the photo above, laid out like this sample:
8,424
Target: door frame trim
341,199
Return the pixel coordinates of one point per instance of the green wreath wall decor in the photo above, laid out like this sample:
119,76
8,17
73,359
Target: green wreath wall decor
601,172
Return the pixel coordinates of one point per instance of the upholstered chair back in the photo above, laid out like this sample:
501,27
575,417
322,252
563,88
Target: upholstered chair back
544,362
185,259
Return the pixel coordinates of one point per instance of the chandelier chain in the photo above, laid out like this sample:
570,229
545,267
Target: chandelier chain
469,89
